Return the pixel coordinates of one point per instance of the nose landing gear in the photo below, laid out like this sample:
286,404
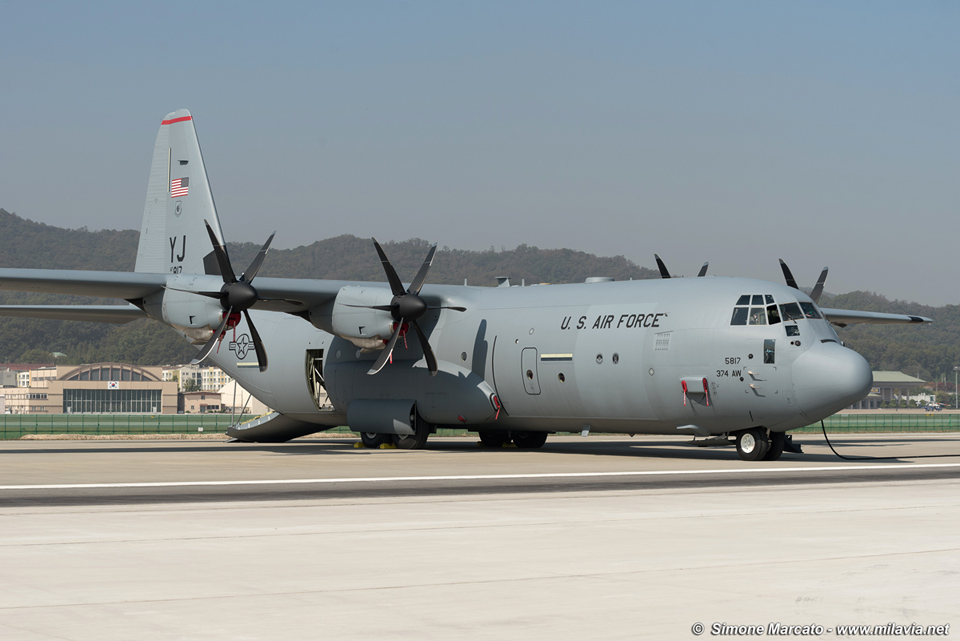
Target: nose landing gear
760,444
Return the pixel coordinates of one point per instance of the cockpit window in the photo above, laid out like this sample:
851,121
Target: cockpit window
810,310
791,311
757,309
773,316
739,316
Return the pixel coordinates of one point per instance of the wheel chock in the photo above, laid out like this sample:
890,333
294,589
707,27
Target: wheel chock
358,445
388,446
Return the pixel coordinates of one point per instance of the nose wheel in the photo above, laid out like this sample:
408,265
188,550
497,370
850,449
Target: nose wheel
753,444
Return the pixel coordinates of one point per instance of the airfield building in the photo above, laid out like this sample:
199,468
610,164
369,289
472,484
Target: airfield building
100,388
888,387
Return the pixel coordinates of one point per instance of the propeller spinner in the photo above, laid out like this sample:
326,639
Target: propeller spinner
406,307
236,296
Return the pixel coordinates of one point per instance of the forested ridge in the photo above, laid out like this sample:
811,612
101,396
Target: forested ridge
929,351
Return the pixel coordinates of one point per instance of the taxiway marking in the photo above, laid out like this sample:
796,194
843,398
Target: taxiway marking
474,477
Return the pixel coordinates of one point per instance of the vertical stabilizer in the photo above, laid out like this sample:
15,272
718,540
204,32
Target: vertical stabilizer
173,238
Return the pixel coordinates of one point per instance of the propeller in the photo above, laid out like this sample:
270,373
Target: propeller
792,282
406,307
664,273
236,296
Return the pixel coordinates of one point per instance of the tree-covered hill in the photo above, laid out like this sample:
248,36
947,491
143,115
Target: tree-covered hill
925,351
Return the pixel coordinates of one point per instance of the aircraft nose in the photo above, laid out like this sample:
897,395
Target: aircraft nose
828,377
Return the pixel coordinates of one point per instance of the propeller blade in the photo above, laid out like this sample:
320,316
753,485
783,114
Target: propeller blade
788,275
456,309
257,343
385,355
427,350
395,285
703,270
421,276
663,268
818,288
205,351
257,261
226,270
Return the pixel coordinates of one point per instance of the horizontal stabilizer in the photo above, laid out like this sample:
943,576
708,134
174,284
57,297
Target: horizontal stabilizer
90,313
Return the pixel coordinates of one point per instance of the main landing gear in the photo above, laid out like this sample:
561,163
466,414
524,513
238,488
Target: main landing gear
415,441
760,444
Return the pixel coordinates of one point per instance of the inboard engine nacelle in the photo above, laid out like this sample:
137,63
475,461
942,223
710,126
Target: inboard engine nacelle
356,319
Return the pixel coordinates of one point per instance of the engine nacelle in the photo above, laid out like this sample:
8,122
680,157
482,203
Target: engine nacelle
196,317
353,319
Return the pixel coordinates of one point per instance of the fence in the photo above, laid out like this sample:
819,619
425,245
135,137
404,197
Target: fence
888,422
18,425
13,426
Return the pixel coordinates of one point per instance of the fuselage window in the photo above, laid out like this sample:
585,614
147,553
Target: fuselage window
792,330
791,311
757,299
744,300
769,351
810,310
739,316
758,316
773,316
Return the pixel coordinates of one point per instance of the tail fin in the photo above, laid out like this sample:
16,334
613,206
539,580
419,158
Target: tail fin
173,237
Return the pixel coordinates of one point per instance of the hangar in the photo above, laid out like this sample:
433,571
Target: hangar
100,388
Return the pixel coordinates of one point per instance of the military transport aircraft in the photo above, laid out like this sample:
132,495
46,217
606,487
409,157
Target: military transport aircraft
733,358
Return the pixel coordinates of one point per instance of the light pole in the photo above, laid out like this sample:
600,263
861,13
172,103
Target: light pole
956,397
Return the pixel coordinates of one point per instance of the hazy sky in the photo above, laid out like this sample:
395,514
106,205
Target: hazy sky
824,133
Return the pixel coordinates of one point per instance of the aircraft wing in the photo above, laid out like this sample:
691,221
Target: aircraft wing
290,295
126,285
844,317
295,295
91,313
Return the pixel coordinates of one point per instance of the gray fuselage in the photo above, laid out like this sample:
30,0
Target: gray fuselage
652,356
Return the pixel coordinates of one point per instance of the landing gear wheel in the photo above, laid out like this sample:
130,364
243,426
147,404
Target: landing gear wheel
493,438
753,444
777,442
417,440
372,440
529,440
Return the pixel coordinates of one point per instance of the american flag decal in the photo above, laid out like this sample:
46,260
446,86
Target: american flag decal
178,187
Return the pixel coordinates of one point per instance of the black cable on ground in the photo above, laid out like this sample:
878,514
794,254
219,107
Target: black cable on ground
876,458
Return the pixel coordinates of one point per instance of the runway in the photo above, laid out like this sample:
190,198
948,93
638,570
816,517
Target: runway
587,538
